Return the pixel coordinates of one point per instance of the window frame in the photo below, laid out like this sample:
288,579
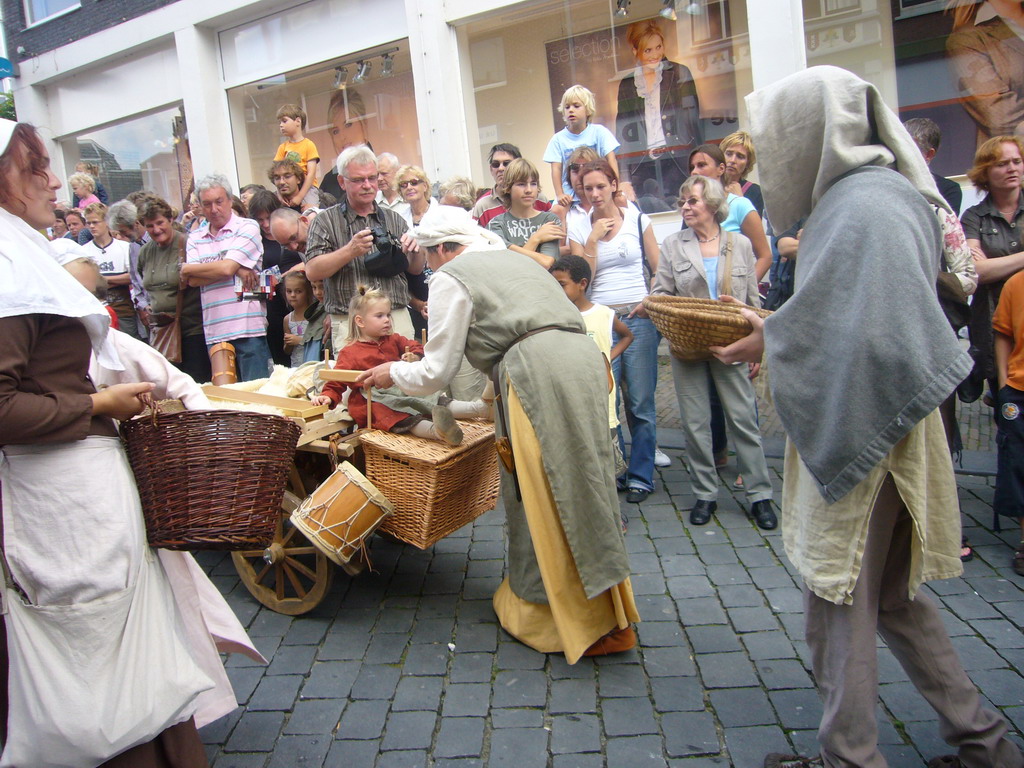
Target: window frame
30,22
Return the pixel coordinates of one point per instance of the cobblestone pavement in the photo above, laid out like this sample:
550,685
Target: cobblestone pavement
408,667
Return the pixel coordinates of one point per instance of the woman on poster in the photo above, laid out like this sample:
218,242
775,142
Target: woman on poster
658,117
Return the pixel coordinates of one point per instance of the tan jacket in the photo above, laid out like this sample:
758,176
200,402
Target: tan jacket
681,268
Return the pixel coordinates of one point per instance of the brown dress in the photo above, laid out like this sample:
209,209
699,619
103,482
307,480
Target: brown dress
44,398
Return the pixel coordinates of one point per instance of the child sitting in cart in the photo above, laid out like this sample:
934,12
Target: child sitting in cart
370,343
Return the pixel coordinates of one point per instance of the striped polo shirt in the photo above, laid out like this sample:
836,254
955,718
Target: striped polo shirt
224,316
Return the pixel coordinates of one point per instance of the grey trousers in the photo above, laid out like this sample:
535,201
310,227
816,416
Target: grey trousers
736,392
843,654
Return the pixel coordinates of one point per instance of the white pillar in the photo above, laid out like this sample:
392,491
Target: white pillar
205,102
440,104
776,39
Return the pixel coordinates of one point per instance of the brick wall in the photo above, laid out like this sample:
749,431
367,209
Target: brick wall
93,16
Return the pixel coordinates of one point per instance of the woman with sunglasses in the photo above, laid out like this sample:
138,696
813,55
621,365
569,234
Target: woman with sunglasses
414,187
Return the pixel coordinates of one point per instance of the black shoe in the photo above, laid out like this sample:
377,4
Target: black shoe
764,515
637,495
702,511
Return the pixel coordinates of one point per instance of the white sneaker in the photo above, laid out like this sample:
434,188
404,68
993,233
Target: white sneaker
661,459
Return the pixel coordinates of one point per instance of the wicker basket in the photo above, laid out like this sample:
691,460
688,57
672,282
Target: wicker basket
434,488
693,325
210,479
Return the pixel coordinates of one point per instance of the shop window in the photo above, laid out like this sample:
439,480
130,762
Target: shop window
522,62
41,10
149,152
365,97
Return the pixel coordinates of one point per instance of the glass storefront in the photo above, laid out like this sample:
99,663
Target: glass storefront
342,109
149,152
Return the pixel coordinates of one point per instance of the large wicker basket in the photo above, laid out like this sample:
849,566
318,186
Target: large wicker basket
210,479
693,325
434,488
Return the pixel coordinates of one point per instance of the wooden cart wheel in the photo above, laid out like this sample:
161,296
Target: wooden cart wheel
291,576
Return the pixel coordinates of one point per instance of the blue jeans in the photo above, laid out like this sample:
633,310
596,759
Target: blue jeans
252,357
636,374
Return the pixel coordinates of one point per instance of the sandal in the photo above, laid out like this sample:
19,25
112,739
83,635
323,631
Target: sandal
738,483
966,553
1018,560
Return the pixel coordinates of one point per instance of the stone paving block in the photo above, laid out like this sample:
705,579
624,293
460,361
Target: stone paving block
770,577
309,631
330,680
395,620
758,619
757,556
622,680
954,626
1014,657
785,600
559,669
458,762
344,646
484,569
386,649
669,662
637,543
572,696
926,740
417,693
471,667
798,708
218,731
976,654
635,751
437,607
748,746
315,716
488,533
244,681
657,529
996,590
902,754
238,760
648,584
276,692
970,606
481,637
628,717
1013,611
741,596
727,575
721,552
291,660
1003,687
714,638
571,734
409,730
406,758
644,562
269,623
487,550
433,631
305,750
905,703
406,584
999,633
655,608
517,718
701,610
590,760
726,670
660,633
424,659
889,669
689,733
466,699
739,707
793,624
444,583
686,587
518,747
454,562
363,720
745,535
515,655
376,681
520,688
460,737
255,732
677,694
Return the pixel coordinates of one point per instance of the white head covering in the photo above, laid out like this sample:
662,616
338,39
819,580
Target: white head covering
812,127
32,282
66,250
451,224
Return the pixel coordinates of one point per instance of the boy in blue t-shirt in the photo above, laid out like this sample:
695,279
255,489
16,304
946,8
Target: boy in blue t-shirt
577,107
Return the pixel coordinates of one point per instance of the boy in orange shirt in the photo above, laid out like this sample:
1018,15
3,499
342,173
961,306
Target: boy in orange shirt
296,147
1008,324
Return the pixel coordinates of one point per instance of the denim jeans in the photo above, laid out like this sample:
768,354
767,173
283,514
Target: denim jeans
252,357
636,374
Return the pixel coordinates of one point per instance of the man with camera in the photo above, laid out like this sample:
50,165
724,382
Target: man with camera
360,243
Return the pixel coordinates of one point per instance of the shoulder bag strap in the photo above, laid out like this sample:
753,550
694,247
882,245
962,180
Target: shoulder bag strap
726,281
180,297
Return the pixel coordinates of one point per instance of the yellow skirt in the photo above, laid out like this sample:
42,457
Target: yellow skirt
570,622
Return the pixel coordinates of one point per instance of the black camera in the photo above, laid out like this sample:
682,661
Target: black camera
387,258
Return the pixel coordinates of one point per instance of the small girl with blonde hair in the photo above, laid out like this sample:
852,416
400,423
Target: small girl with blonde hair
370,343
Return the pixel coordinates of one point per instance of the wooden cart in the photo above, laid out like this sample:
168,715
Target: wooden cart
291,575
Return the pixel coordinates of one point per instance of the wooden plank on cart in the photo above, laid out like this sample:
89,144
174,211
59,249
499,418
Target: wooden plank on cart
339,374
292,406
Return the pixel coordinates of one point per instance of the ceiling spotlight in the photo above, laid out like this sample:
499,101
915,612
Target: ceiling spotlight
669,11
623,8
387,66
694,8
340,77
362,72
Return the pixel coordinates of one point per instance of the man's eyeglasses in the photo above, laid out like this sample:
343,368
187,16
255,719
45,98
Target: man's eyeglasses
409,182
575,167
371,180
283,177
496,164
